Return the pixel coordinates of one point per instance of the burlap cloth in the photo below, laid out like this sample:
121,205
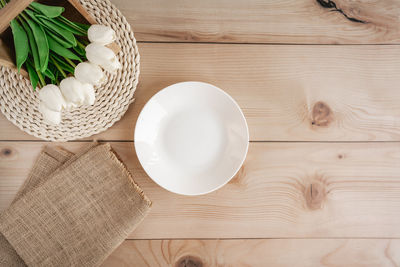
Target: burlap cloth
73,210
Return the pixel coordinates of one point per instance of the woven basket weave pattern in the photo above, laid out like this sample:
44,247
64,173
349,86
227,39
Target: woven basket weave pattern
19,103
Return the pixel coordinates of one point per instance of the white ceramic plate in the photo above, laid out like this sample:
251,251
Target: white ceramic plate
191,138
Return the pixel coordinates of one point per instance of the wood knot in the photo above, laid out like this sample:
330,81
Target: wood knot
315,195
321,114
6,152
189,261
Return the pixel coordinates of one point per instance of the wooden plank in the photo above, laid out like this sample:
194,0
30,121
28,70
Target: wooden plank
82,10
255,21
280,89
10,11
291,190
257,252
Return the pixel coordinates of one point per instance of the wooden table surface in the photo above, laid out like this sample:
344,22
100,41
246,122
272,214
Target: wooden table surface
319,84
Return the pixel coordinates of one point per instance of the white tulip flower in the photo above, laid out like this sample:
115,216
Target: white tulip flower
51,96
101,34
112,66
102,56
87,72
50,116
88,91
70,105
73,92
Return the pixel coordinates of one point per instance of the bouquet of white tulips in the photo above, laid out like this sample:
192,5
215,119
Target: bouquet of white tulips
78,90
51,48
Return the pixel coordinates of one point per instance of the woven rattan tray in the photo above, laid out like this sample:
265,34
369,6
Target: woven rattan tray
19,103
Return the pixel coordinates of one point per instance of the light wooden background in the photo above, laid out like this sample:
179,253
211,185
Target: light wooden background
321,93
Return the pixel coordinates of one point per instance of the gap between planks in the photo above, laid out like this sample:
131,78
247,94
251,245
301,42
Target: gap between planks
261,44
264,238
255,141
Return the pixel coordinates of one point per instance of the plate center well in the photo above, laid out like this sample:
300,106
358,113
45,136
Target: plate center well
194,138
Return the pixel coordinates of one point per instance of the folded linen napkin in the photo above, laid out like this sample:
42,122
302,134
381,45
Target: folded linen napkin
72,211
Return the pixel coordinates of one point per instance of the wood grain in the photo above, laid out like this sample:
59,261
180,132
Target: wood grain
10,11
82,10
255,21
258,252
287,92
311,194
291,190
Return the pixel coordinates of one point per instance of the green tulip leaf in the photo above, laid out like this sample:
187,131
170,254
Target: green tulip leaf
58,39
49,74
20,43
33,77
65,26
61,50
79,26
65,66
48,11
80,51
32,44
61,32
41,43
82,25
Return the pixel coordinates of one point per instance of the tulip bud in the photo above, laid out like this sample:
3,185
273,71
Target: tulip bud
112,66
51,96
103,56
87,72
50,116
72,91
88,91
101,34
70,105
